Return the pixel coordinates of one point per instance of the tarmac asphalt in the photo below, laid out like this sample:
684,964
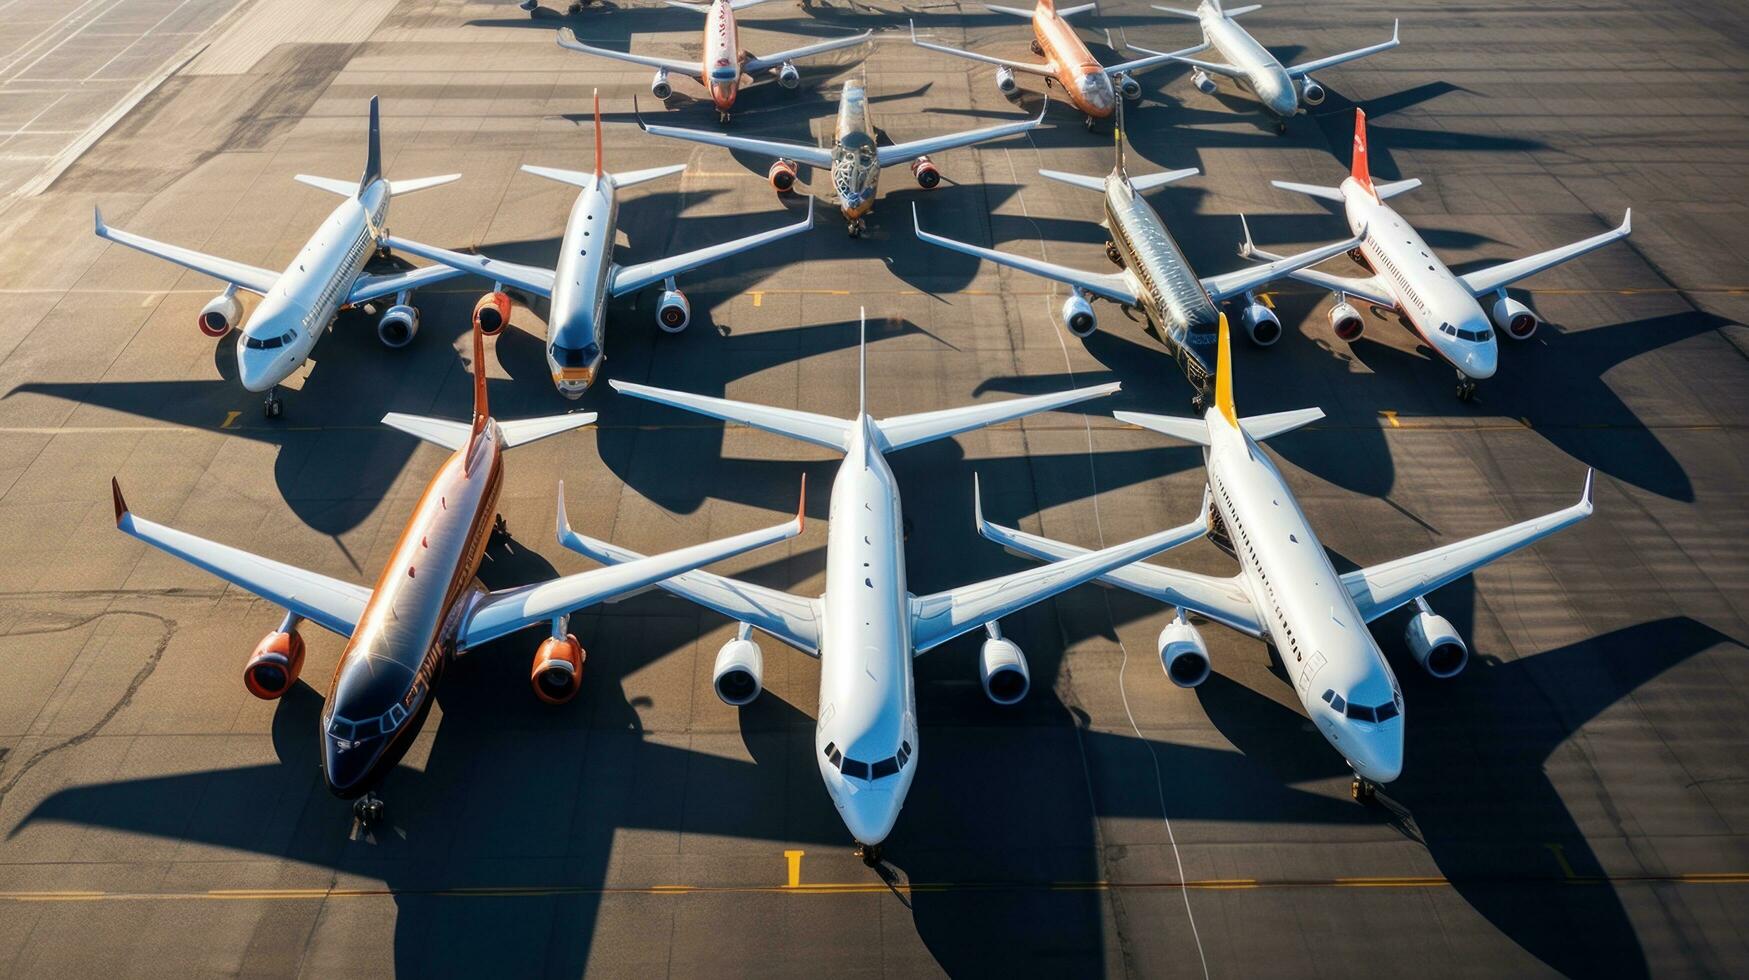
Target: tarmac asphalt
1577,802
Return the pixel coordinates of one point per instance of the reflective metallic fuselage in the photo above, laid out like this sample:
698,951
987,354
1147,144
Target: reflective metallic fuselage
577,323
722,56
1264,74
856,168
1082,77
1173,298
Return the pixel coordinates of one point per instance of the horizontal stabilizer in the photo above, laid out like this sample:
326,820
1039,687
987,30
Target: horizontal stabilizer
1148,182
1312,190
821,430
1175,12
451,434
415,184
903,431
1261,427
344,188
521,432
1395,187
1075,180
1190,430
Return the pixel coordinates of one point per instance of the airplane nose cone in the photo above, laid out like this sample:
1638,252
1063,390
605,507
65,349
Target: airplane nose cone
869,814
1378,756
253,370
1481,362
1097,92
346,766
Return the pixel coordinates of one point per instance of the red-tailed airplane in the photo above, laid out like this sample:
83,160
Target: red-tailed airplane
725,62
427,605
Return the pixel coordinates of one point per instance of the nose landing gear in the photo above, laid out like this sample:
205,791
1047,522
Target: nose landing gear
368,810
870,854
1466,387
272,406
1363,790
856,227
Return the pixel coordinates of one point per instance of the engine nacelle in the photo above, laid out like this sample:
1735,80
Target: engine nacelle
1261,324
1005,82
1436,645
1514,318
1128,87
1346,321
557,674
660,86
220,314
1311,93
398,326
788,76
274,666
1203,82
673,312
738,675
1002,669
782,176
1078,315
924,170
1183,654
492,313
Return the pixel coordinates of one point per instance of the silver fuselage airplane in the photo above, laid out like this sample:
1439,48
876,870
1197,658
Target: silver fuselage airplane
299,303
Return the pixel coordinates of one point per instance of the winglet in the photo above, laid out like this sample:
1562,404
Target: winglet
97,216
373,156
1224,374
1250,247
121,506
801,507
1584,498
977,505
1627,222
598,133
1362,175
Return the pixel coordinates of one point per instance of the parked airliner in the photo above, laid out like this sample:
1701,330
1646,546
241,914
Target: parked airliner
1281,90
298,304
725,61
1289,594
1439,305
867,627
586,276
426,606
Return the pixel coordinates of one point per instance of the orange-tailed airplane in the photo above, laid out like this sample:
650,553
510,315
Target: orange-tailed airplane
1089,86
427,606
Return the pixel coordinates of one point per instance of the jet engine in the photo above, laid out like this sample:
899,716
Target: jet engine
1346,321
782,175
557,674
1183,654
1261,324
1514,318
788,76
398,326
274,666
738,674
1203,82
1002,669
924,170
660,86
1435,643
220,314
1311,93
673,312
1005,82
1128,87
492,313
1078,315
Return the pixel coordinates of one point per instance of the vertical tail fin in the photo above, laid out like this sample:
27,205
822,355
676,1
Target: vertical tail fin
1362,175
1117,140
598,170
482,413
373,156
1224,375
862,361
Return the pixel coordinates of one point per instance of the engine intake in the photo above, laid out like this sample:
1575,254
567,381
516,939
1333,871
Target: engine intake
1436,644
1128,87
1183,654
660,87
782,176
492,313
398,326
1203,82
673,312
220,314
1005,82
1346,321
788,76
1261,324
274,666
557,674
1002,670
739,671
1514,318
924,170
1311,93
1078,315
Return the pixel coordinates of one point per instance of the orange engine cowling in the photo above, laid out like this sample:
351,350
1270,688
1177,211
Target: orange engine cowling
782,176
492,313
557,675
274,666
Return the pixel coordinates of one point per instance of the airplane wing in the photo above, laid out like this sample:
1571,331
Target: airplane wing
367,288
508,610
1370,289
821,430
328,602
1381,588
1063,12
1230,284
568,39
774,59
940,617
899,153
1225,600
802,153
790,618
1300,71
633,277
1212,67
1031,68
1484,281
1111,285
1153,59
901,431
249,277
532,278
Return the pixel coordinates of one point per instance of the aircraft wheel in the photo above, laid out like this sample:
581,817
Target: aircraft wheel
870,854
368,810
272,407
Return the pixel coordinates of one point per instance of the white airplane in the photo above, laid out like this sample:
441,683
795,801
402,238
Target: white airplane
1281,90
867,628
1441,306
723,53
1287,592
586,276
299,304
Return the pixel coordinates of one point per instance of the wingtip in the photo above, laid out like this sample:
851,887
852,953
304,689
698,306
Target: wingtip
1585,500
802,507
563,523
121,505
1627,221
978,521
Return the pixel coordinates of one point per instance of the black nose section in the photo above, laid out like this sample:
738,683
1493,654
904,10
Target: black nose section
349,767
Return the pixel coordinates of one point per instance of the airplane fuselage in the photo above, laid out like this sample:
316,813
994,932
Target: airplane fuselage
387,675
284,328
1264,74
856,167
1173,298
722,56
1437,306
1081,76
1310,618
868,699
577,323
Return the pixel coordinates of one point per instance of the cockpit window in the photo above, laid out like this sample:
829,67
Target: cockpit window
1337,702
1361,712
886,767
853,767
340,728
724,73
1387,711
269,343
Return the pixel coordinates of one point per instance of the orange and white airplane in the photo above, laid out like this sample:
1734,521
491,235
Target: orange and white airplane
725,62
1089,86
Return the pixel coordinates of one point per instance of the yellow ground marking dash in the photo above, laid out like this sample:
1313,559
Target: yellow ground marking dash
794,858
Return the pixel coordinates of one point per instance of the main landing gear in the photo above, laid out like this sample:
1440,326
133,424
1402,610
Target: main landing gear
368,810
272,406
1466,387
870,854
856,227
1198,403
1281,127
1363,790
723,116
1112,253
